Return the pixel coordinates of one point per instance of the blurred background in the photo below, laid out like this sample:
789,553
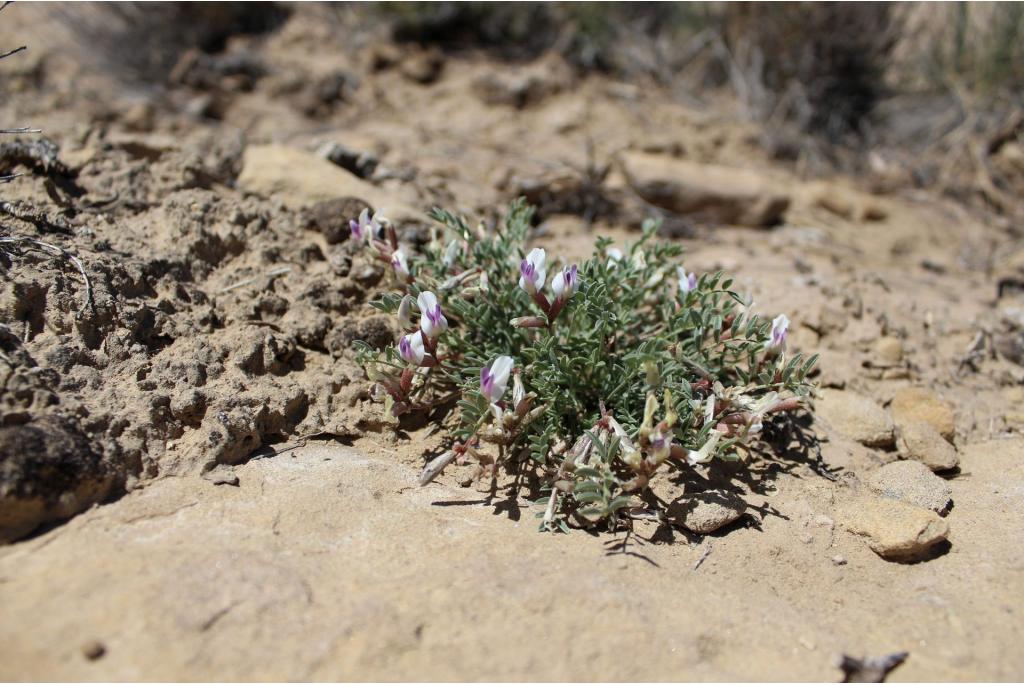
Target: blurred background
900,94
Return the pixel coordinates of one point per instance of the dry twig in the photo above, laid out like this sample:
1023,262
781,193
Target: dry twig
60,252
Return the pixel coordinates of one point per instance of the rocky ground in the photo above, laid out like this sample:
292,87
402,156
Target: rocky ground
195,483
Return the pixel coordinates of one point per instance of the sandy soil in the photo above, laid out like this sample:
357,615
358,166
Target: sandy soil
217,338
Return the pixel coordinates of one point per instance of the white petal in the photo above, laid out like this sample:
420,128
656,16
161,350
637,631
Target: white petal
426,301
558,284
500,370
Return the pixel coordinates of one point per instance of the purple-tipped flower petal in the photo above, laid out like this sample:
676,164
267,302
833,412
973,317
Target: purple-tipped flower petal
565,283
400,263
410,347
432,321
533,271
780,329
687,281
361,229
494,379
661,446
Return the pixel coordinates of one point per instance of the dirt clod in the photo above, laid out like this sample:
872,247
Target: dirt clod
48,472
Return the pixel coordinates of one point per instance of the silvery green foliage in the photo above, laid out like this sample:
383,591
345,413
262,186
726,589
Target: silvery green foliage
597,375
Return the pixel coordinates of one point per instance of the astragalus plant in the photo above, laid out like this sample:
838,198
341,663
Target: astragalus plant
599,376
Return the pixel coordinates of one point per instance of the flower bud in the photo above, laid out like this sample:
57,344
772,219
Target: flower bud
451,254
528,322
649,408
400,264
405,313
518,391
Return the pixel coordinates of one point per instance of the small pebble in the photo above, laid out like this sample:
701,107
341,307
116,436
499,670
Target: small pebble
888,351
824,521
93,650
839,560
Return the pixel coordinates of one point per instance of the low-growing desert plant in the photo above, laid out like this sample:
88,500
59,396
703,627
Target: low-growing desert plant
598,376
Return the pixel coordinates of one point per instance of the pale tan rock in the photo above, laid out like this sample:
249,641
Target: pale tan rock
919,404
894,529
912,482
888,351
302,179
856,417
714,193
706,512
920,441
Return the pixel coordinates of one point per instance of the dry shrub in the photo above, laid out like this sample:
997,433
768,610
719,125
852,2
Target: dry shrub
142,41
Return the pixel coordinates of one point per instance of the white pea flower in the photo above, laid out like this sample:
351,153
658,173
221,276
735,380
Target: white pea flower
687,281
614,255
533,271
565,283
780,329
494,379
411,348
705,453
366,228
360,227
400,263
432,321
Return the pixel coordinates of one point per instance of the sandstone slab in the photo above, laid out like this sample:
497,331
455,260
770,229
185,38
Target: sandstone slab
709,192
303,179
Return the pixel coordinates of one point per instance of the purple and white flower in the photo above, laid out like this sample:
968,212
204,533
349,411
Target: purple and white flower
365,228
494,379
432,321
410,347
533,271
661,446
400,263
687,281
780,329
565,283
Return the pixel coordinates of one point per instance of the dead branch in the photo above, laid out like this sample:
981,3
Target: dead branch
59,252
